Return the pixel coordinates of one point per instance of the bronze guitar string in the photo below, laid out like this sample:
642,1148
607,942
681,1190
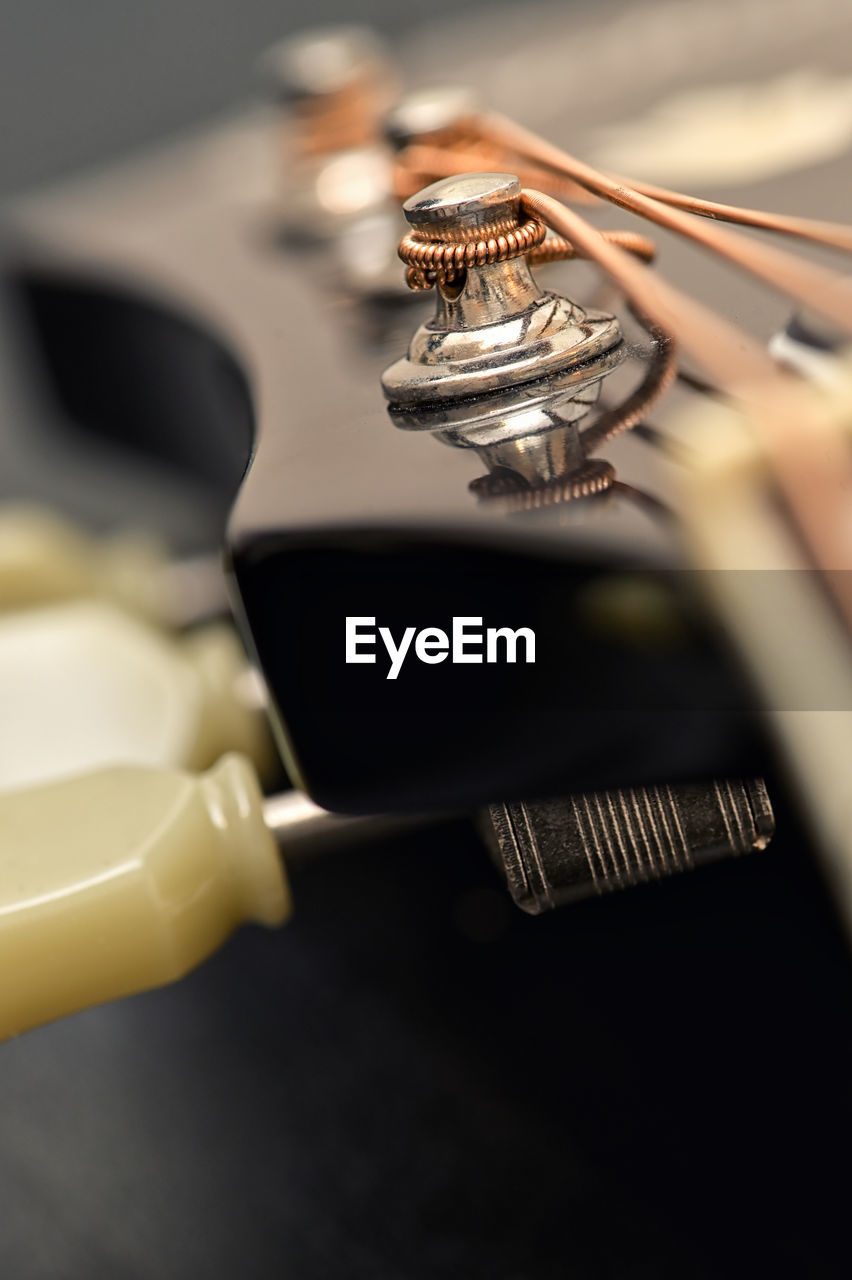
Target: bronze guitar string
735,362
777,402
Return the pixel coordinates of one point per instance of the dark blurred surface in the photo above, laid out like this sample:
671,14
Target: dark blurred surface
414,1080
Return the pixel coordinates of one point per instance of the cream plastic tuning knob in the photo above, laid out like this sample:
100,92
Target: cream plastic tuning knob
126,879
45,558
84,685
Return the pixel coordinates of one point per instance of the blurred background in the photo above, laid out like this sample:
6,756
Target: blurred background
84,81
414,1080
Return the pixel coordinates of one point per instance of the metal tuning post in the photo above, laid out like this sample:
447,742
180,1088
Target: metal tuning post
503,367
332,87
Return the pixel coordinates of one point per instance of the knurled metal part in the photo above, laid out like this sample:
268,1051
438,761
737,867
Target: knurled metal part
577,846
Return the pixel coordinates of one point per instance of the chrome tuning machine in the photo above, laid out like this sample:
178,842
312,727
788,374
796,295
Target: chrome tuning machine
503,367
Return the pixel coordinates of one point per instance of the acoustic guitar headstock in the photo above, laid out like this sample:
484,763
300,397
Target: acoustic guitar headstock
427,355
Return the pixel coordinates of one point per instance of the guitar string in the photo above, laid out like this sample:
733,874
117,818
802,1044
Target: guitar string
813,482
735,362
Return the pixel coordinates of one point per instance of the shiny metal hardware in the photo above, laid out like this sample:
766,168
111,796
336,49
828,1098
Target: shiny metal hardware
306,832
503,367
427,113
559,851
813,346
499,328
333,86
323,62
366,246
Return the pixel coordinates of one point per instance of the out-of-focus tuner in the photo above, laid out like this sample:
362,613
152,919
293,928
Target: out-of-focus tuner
813,346
428,113
323,63
333,87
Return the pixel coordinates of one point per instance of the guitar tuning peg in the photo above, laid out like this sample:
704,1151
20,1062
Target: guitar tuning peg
366,247
124,879
426,114
503,367
814,347
321,64
45,558
83,685
331,87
